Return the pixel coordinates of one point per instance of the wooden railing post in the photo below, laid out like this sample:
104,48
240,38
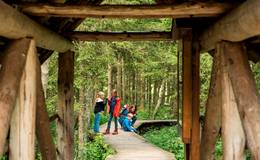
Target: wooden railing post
22,133
65,106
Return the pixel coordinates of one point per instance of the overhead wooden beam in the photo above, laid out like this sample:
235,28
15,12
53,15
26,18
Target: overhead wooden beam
15,25
242,23
120,36
184,10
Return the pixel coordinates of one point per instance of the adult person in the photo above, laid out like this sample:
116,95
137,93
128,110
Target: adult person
99,108
113,110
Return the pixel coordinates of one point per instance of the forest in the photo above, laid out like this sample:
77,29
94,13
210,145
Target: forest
145,73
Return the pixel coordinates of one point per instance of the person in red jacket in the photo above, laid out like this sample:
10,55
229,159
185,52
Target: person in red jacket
113,109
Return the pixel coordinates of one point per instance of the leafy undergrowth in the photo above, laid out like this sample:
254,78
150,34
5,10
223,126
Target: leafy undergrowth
168,139
96,150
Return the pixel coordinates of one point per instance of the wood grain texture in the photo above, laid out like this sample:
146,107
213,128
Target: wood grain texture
15,25
22,133
185,10
65,106
245,92
10,76
241,23
233,135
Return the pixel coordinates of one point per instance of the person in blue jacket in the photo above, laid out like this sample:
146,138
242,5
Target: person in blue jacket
123,114
127,123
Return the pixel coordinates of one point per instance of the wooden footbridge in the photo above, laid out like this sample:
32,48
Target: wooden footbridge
31,30
130,146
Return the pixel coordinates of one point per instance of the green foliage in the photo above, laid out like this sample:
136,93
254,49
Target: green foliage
167,138
95,150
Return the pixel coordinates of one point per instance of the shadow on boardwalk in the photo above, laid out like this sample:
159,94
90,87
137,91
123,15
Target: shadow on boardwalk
130,146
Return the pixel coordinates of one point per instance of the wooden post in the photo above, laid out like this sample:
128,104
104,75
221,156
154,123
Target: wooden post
187,89
22,133
195,129
10,76
43,132
212,122
232,130
65,106
245,92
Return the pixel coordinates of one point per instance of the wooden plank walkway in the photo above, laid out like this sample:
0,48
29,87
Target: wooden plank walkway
130,146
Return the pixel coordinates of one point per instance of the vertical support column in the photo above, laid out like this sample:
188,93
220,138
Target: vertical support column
65,106
12,66
245,92
195,130
187,92
43,132
212,121
232,130
22,134
191,96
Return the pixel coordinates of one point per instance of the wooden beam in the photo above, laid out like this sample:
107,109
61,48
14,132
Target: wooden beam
245,92
43,132
195,129
240,24
12,65
233,135
65,106
184,10
15,25
22,132
120,36
187,88
212,123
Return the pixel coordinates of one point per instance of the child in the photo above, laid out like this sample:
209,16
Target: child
113,110
127,123
133,110
99,107
123,114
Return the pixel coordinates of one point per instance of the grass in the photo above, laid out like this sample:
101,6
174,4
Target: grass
168,139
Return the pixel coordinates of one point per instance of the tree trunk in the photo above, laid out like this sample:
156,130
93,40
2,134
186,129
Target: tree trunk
212,123
133,88
109,75
22,133
245,92
142,87
45,75
82,123
65,106
43,132
159,99
119,77
10,76
123,81
232,130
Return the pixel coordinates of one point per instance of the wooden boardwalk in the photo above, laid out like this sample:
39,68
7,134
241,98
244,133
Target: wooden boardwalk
130,146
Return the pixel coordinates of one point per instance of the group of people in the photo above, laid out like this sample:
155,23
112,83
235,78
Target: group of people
126,116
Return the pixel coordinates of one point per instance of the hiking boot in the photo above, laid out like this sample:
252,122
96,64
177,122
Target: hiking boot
106,132
115,132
